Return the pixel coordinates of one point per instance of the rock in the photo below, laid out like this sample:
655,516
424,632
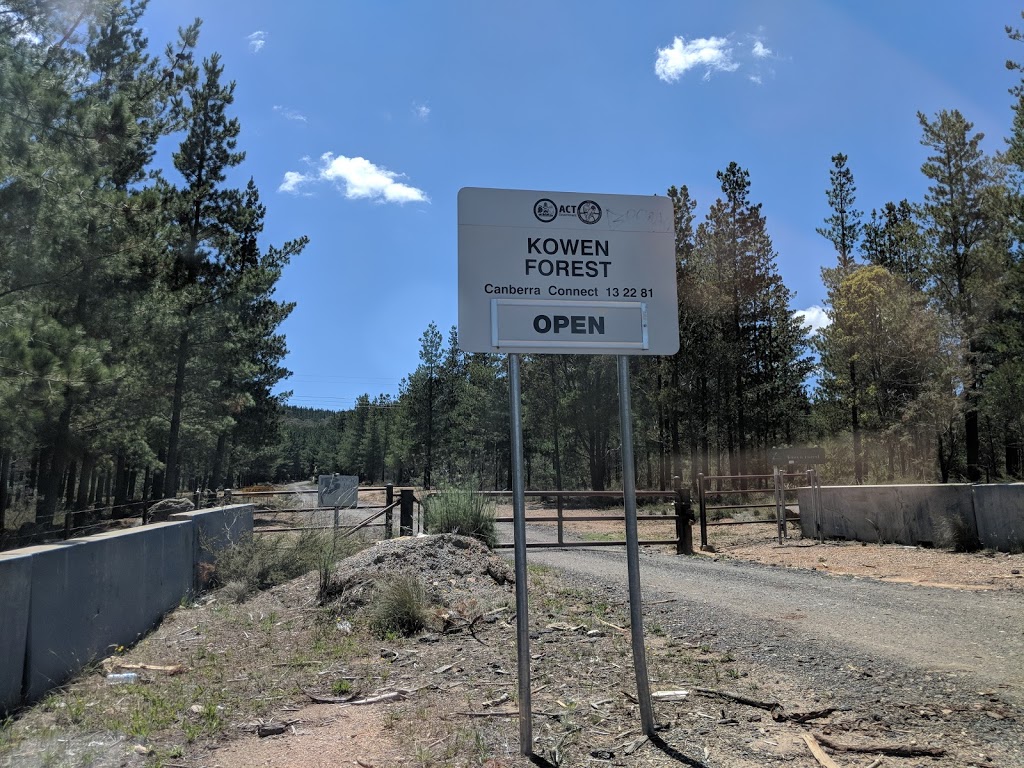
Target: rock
163,509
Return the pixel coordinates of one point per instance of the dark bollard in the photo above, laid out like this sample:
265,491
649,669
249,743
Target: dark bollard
684,516
405,513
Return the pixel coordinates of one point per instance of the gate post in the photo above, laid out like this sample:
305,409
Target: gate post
389,499
405,513
684,516
703,512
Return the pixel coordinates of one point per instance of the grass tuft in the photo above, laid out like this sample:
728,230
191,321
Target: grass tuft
400,608
456,510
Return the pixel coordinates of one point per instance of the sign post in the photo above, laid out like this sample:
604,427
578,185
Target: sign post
568,273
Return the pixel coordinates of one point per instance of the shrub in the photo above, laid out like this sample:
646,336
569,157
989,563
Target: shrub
456,510
400,607
956,533
261,561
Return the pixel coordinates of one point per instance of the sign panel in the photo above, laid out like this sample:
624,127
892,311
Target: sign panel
784,456
338,491
565,272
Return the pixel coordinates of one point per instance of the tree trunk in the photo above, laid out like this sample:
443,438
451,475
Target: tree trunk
69,488
170,486
52,471
121,484
972,442
5,478
218,460
858,460
82,497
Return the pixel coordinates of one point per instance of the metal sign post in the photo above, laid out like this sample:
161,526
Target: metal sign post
568,273
519,525
636,620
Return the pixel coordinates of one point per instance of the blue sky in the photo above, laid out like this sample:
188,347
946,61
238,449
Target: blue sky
362,120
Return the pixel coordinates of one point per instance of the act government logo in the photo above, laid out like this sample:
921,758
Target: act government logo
546,210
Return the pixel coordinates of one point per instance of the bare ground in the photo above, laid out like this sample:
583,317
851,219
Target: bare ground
450,694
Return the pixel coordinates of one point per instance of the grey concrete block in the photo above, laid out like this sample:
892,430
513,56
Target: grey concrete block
15,602
904,514
92,594
999,511
213,530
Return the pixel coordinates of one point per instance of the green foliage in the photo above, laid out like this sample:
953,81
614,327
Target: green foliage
113,280
461,511
260,561
399,608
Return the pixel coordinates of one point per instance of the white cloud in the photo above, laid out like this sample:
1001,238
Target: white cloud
422,111
292,180
289,114
816,317
713,54
359,178
257,40
760,50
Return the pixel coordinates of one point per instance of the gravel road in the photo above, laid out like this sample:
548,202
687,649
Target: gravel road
979,636
907,663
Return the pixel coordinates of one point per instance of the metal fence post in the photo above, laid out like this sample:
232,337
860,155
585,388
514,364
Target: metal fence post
389,499
405,513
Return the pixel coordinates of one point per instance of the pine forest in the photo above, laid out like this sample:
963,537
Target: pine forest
141,353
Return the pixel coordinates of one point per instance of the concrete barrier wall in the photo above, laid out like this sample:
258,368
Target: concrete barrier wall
213,530
999,511
72,603
15,599
919,514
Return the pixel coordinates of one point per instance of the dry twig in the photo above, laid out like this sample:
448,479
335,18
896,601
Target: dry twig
818,752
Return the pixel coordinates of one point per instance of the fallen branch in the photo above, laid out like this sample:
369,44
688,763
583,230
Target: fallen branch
609,624
892,750
330,699
805,717
390,696
818,752
778,712
174,669
513,713
495,702
740,699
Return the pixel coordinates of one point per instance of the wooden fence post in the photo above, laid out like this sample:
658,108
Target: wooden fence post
389,499
684,516
702,501
405,512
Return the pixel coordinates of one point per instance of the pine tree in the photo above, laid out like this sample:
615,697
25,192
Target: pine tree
967,254
843,231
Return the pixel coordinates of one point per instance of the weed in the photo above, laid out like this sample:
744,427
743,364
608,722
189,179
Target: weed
260,561
956,533
400,608
457,510
341,687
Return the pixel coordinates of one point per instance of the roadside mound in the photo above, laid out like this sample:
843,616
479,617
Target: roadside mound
450,567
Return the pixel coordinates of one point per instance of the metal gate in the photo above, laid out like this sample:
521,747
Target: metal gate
778,490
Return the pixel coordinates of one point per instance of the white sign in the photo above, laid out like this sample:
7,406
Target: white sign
565,272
